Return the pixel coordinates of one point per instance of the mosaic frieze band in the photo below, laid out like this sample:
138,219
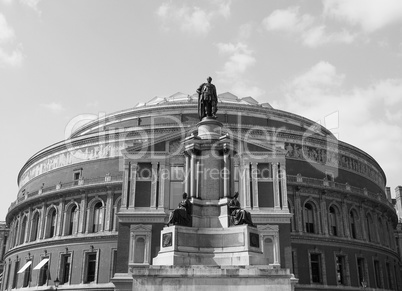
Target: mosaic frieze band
335,159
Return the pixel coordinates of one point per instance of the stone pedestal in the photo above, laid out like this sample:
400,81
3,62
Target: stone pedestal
212,278
234,246
209,128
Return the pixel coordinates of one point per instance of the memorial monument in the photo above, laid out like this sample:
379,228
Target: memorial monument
219,247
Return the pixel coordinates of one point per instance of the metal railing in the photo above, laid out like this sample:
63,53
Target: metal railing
68,185
338,186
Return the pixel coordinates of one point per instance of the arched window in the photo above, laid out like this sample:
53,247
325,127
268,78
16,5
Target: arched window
97,217
333,221
386,236
353,220
71,220
15,234
309,218
370,228
23,230
380,231
51,223
34,227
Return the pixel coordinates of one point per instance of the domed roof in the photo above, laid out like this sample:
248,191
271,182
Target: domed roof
179,97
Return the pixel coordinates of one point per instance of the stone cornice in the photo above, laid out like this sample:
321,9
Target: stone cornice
332,241
65,241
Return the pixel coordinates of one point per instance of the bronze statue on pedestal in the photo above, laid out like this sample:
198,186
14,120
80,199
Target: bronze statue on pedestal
239,216
182,214
207,100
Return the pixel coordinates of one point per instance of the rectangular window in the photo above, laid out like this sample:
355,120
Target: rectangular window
377,274
315,261
236,179
90,267
389,275
294,263
360,272
143,185
44,274
340,270
6,276
15,277
114,262
27,276
176,185
65,265
265,185
77,175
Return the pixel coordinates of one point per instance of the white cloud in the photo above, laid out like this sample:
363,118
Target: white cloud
33,4
245,31
9,57
13,59
369,118
240,59
6,31
53,107
233,75
371,15
288,20
191,19
304,28
317,36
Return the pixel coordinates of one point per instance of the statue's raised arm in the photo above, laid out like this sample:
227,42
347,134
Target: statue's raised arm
207,100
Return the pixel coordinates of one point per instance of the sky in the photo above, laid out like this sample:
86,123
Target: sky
337,62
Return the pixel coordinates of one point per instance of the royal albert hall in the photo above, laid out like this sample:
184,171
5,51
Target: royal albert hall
91,208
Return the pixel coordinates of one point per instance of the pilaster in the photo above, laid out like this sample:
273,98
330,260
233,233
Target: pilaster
155,180
284,187
83,212
133,181
254,183
275,176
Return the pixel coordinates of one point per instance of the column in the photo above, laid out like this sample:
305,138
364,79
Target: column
59,224
375,227
109,211
226,173
324,215
345,219
276,249
192,174
187,173
363,223
155,180
126,190
298,212
83,212
245,179
284,187
29,226
42,221
198,179
275,176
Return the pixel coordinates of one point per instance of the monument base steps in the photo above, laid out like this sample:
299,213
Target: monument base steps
212,278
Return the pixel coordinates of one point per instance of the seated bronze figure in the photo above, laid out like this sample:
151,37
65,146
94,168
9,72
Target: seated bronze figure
182,214
238,216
